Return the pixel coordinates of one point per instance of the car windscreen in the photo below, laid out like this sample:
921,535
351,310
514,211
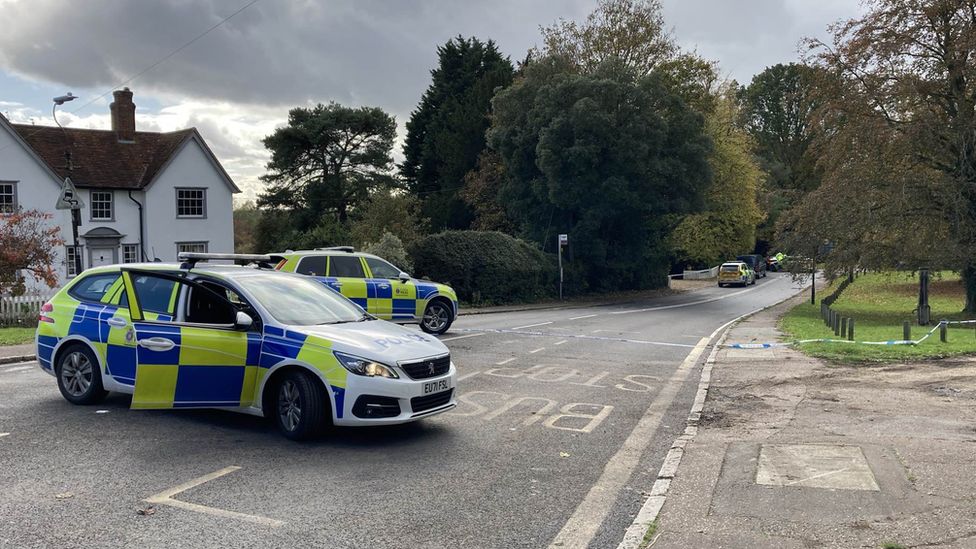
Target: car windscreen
299,300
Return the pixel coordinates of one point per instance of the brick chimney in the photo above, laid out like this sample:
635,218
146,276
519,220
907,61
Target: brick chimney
123,115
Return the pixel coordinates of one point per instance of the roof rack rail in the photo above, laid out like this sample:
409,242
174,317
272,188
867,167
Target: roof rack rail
347,249
190,259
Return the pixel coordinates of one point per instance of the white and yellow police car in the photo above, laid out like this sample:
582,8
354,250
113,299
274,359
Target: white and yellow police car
249,339
377,286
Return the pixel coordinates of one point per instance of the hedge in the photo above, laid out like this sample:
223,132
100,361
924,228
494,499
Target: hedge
485,266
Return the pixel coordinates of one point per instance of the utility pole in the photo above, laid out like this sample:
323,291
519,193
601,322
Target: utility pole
68,199
563,239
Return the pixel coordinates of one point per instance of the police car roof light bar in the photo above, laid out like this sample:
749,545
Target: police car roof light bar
190,259
347,249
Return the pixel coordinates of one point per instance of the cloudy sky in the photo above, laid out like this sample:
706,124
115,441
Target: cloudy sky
237,83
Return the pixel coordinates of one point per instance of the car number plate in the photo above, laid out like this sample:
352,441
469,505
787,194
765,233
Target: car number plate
436,386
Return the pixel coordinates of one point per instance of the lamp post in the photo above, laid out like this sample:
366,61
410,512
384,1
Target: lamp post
75,210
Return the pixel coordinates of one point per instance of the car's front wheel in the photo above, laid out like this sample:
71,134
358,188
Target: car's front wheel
79,378
437,317
301,406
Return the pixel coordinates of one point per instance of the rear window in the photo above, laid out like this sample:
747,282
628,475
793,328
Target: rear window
730,268
93,287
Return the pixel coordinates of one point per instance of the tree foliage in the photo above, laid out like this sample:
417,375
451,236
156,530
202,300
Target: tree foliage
392,249
246,220
326,161
388,212
605,157
778,109
28,245
480,192
904,81
446,133
727,225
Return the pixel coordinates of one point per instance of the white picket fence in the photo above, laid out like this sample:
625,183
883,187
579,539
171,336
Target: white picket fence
22,309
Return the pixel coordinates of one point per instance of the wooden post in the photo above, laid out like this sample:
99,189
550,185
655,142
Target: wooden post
850,330
843,327
906,331
836,324
943,331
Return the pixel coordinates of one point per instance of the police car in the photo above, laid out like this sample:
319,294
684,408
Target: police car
377,286
248,339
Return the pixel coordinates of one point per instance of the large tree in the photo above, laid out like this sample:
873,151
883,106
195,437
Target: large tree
446,133
326,161
906,82
727,225
607,157
778,112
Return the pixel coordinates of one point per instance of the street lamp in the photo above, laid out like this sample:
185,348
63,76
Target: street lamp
75,211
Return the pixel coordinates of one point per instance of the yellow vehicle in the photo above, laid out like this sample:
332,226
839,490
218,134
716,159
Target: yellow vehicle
737,273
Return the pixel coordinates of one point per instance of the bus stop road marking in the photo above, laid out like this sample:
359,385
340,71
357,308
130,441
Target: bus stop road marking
166,498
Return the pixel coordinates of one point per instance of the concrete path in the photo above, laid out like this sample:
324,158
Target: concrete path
794,452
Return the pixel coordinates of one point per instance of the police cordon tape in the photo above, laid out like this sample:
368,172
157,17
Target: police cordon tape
830,340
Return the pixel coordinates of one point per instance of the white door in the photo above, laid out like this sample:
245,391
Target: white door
102,256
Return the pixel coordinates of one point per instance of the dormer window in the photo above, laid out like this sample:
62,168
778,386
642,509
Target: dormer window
102,208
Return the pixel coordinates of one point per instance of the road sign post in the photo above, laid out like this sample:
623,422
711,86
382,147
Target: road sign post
563,240
69,199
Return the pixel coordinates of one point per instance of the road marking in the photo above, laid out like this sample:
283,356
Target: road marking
583,525
537,350
26,362
461,337
614,331
3,434
560,342
689,304
17,369
467,376
166,498
531,325
506,361
582,317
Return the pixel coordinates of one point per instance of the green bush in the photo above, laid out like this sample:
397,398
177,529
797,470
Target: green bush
485,266
390,248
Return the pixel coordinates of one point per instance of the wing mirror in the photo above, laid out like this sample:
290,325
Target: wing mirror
243,321
403,276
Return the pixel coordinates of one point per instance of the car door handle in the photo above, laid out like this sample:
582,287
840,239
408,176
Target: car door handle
385,286
157,344
337,284
117,322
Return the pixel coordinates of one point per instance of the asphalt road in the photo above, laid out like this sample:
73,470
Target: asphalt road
565,418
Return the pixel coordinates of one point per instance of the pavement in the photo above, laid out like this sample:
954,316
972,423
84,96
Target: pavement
565,417
793,452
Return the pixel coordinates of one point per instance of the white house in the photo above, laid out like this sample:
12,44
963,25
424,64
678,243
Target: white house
147,195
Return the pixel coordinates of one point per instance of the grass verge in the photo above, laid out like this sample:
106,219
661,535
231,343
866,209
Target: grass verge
16,336
879,303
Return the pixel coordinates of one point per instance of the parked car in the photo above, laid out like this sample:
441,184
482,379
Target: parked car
736,272
756,262
377,286
251,340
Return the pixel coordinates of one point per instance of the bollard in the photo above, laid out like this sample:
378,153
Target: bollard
850,330
943,331
906,331
843,327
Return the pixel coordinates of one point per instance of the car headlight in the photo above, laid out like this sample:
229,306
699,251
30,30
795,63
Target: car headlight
364,367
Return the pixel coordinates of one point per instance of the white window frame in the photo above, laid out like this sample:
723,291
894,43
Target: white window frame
134,248
195,243
202,198
111,205
70,260
13,194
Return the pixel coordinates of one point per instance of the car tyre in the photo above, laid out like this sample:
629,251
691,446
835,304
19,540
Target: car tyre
437,317
79,376
301,407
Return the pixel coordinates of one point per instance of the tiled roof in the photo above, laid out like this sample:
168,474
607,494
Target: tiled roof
99,159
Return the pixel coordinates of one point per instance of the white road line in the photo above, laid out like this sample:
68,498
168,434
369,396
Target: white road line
29,362
583,525
689,304
166,498
3,434
504,362
560,342
537,350
531,325
614,331
461,337
18,369
468,376
582,317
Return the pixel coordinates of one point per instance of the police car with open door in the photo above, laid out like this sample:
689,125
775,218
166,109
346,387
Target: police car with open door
249,339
